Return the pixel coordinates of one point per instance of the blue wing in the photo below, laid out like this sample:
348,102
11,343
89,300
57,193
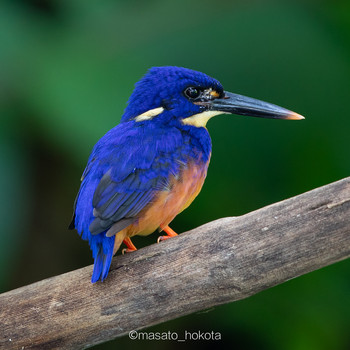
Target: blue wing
137,168
117,203
127,167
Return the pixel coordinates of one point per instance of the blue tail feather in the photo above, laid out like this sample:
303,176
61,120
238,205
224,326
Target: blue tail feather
102,250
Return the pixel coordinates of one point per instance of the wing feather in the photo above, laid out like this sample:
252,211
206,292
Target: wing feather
134,172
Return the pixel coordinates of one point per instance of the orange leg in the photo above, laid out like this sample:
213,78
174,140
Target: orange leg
129,244
170,233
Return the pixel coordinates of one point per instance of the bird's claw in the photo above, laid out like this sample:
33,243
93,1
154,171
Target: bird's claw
130,246
127,250
170,233
162,238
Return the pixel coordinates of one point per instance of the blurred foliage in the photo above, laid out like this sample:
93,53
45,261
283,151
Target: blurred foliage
67,69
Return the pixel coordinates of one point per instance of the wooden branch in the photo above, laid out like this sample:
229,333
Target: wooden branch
220,262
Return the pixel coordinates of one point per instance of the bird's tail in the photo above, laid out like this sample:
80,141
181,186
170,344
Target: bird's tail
102,252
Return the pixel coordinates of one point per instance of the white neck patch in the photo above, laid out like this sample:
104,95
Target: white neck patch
149,114
201,119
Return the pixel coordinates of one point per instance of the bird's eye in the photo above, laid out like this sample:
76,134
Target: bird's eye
192,92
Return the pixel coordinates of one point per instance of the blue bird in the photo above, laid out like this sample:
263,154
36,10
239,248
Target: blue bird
151,166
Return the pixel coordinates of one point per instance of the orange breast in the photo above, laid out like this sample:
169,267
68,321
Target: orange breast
167,204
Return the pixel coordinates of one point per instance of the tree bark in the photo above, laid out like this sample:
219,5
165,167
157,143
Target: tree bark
220,262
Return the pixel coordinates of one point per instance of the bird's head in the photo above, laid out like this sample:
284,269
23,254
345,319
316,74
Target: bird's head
182,95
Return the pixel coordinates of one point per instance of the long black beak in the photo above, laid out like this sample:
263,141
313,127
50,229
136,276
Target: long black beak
242,105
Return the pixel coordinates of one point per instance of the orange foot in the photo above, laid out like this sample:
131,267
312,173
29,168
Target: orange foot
170,233
130,245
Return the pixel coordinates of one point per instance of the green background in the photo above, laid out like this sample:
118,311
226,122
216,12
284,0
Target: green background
66,71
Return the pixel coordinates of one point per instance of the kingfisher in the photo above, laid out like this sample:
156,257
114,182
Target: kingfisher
152,165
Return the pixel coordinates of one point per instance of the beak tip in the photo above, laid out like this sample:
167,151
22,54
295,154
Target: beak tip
295,116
